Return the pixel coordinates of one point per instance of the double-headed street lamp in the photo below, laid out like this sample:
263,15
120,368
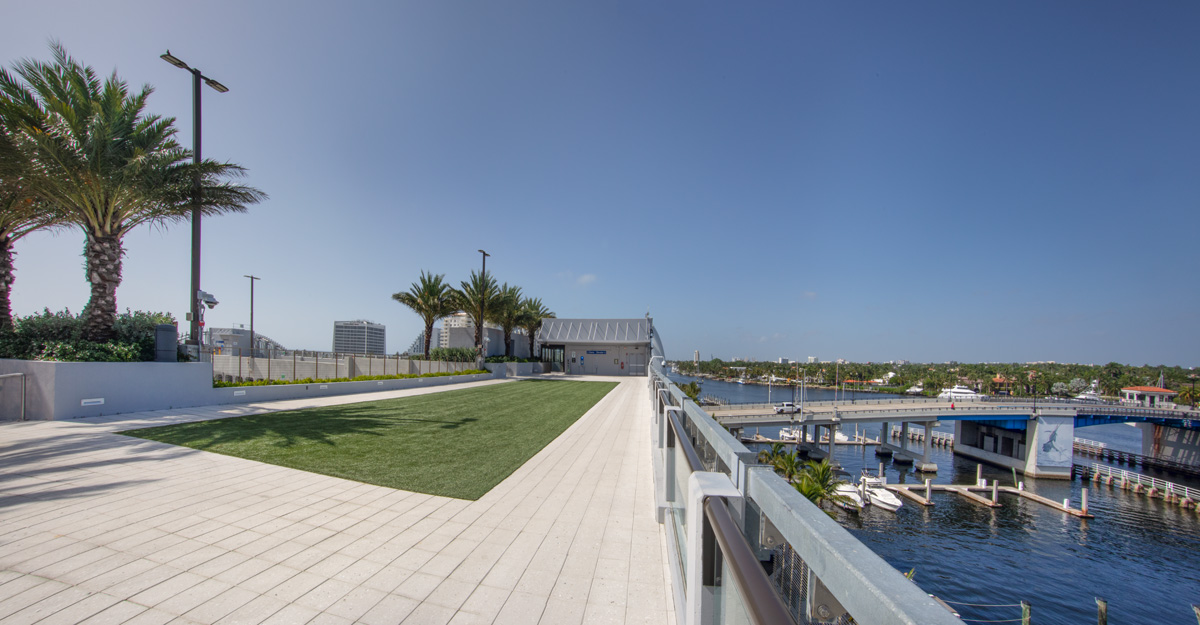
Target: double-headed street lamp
195,290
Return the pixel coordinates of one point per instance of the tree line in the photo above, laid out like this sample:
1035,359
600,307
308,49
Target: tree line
432,298
79,152
1016,379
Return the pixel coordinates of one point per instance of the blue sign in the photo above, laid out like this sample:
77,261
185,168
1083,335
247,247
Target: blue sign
597,351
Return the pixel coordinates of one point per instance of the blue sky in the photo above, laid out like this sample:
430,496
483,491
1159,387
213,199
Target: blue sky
926,181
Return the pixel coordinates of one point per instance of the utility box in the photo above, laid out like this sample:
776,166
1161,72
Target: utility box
166,343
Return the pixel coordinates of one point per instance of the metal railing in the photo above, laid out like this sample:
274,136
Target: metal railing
236,365
816,569
1132,477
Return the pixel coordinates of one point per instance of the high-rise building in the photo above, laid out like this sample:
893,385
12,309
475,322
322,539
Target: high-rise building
812,359
696,357
359,337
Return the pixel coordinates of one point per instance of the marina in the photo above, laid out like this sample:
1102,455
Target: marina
1132,542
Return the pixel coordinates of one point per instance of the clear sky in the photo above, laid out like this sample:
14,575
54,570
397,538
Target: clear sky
930,181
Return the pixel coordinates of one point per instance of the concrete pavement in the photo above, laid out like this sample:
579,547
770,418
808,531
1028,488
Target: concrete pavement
96,527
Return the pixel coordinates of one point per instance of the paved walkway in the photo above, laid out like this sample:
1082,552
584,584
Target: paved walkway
97,527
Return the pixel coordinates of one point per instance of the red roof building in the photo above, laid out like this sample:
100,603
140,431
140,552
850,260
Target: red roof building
1151,396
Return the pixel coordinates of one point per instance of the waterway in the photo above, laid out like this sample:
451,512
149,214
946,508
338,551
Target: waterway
1141,555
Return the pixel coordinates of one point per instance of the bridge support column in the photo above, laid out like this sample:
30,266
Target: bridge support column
925,465
904,437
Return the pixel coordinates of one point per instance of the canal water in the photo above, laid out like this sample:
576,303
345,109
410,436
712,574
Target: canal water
1141,555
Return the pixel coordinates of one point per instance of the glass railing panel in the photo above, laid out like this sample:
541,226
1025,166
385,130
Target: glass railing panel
729,606
679,505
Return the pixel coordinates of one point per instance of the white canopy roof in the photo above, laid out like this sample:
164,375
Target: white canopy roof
595,331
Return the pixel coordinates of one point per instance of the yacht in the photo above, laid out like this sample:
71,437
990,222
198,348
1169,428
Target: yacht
853,499
1089,395
874,488
915,390
790,435
958,393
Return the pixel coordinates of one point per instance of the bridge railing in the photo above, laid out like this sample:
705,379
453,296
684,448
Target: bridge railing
1132,477
818,570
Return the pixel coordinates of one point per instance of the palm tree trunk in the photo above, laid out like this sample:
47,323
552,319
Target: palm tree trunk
508,342
428,331
531,339
103,253
6,280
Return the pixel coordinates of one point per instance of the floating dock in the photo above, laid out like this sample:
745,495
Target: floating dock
911,491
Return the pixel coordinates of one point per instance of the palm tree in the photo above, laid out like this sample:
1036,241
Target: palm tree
476,295
505,312
97,156
818,483
20,214
768,456
431,298
533,314
788,465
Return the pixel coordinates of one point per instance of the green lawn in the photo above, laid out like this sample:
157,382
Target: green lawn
455,443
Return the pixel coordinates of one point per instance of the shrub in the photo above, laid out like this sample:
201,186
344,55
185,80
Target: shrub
56,336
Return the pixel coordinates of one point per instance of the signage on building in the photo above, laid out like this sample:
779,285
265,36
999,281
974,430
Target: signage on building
597,351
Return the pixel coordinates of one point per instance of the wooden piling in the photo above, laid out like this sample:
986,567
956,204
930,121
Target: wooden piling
1101,611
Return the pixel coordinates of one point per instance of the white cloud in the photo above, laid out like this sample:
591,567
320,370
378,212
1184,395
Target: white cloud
809,295
586,279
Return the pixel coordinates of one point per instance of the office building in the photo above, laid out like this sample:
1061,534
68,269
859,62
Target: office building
359,337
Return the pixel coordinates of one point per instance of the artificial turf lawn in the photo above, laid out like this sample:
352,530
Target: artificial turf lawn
454,443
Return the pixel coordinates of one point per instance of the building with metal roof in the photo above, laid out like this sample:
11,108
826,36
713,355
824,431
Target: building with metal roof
597,346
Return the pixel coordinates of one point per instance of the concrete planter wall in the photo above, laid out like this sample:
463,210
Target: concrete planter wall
511,369
65,390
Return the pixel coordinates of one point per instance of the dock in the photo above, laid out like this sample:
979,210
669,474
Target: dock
910,491
862,441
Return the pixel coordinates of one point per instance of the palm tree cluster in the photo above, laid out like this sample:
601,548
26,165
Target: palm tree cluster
432,298
78,151
815,480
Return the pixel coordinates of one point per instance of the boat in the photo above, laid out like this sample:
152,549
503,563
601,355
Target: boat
915,390
1089,395
790,435
853,499
838,439
958,393
877,494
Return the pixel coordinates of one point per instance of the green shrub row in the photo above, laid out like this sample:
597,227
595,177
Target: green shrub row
494,359
361,378
56,336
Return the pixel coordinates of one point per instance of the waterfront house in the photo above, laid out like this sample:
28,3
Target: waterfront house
1149,396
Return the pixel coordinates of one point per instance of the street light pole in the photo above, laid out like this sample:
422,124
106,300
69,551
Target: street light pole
197,76
482,299
253,351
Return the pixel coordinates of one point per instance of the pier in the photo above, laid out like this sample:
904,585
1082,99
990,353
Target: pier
1102,451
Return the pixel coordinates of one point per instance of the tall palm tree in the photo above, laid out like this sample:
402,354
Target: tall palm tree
505,312
788,465
97,156
534,312
478,291
20,214
431,298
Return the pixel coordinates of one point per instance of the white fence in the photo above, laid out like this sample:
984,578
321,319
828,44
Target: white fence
296,365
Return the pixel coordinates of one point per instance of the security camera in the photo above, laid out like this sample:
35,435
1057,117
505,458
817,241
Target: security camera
207,299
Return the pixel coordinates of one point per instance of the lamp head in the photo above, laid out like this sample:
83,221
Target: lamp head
216,85
170,58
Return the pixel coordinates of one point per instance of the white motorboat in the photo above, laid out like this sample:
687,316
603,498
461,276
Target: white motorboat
791,435
958,393
838,438
1089,395
877,494
852,498
915,390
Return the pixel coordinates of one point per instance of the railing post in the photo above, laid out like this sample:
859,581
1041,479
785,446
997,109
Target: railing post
701,485
1026,610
